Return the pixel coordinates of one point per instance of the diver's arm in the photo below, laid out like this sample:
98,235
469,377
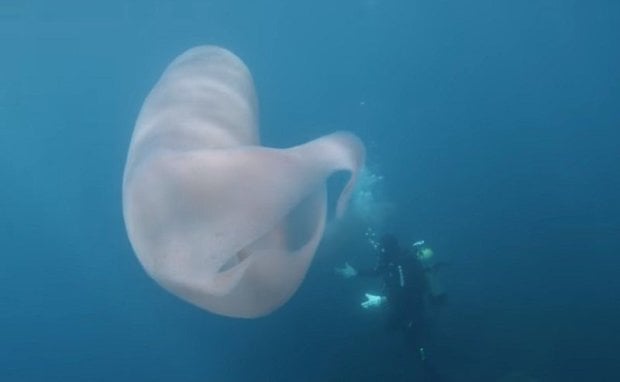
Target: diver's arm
368,272
378,270
347,271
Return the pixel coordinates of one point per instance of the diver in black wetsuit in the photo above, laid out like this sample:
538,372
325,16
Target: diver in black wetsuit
405,293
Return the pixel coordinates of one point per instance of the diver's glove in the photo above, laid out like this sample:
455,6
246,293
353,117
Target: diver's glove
373,301
347,271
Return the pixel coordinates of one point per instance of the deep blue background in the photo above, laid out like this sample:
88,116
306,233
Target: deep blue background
496,125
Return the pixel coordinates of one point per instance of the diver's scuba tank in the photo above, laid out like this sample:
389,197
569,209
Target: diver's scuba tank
427,257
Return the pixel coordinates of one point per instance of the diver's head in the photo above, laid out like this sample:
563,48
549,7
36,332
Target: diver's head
389,247
425,253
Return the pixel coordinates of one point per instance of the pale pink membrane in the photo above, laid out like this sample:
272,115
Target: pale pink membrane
213,217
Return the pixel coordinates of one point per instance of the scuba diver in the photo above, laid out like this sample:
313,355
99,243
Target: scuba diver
406,293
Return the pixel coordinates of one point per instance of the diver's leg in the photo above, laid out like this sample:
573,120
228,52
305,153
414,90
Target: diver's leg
418,339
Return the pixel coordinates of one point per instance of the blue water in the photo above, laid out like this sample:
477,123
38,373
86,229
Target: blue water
494,124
